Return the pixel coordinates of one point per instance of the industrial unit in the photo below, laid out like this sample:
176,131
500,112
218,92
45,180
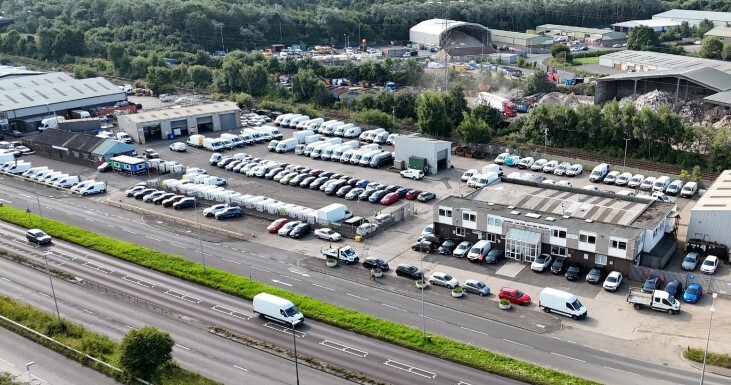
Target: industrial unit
430,155
78,148
656,61
27,97
723,34
527,219
695,17
175,122
457,38
528,41
658,25
587,35
711,215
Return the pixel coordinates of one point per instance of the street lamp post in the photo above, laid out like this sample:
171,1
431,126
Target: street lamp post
545,142
708,338
626,141
296,363
38,200
27,369
198,224
423,319
53,291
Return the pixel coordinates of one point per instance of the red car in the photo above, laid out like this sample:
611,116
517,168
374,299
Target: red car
390,198
315,172
514,296
412,194
277,224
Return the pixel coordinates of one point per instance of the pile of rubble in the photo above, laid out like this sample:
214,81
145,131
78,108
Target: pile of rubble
725,121
557,98
652,100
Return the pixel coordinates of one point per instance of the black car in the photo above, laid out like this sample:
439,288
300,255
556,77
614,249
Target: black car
307,181
595,275
392,188
315,185
335,176
141,194
333,187
558,266
574,272
426,196
184,203
326,174
229,212
343,191
494,256
377,196
430,238
371,262
171,201
447,247
162,197
151,154
408,271
402,192
424,246
674,288
300,230
225,161
365,194
652,284
38,236
353,182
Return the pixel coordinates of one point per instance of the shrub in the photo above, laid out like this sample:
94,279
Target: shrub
374,118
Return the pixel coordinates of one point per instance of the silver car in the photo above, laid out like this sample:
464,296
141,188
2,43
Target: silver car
690,262
461,250
476,287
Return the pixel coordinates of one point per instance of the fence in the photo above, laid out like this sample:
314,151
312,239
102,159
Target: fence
127,297
710,283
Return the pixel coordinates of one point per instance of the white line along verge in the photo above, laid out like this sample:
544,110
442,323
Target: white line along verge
283,328
344,348
184,347
620,370
96,267
232,313
570,358
410,369
324,287
240,368
183,296
355,296
463,383
229,260
140,282
280,282
474,331
518,343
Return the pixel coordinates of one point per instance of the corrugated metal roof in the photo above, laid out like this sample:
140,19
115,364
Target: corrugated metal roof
664,61
112,147
19,92
718,196
594,31
74,141
648,23
706,76
437,26
180,113
719,31
684,14
722,98
535,39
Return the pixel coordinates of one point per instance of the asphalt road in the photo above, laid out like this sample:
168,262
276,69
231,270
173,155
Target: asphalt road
280,268
50,367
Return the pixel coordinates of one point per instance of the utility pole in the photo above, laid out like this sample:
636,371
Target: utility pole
545,142
708,338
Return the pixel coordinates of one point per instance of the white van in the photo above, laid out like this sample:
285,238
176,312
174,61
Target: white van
314,124
500,159
351,132
124,137
319,150
250,136
32,172
92,188
689,190
329,128
481,180
355,158
372,134
50,122
599,172
339,130
347,154
106,135
285,122
40,174
286,145
294,121
561,302
67,182
213,144
326,124
381,137
492,168
235,139
81,185
277,309
278,121
661,183
312,146
195,140
328,151
16,168
479,250
53,178
366,158
273,131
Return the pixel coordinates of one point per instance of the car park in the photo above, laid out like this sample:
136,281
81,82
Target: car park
424,246
636,180
443,279
561,168
611,177
426,196
538,165
514,296
613,281
541,262
447,247
623,179
476,287
276,225
372,263
690,261
408,271
573,273
184,203
300,230
710,264
647,183
675,187
178,147
651,284
229,212
150,154
38,236
287,228
468,174
328,235
171,201
558,266
693,293
595,274
462,249
550,166
674,288
413,174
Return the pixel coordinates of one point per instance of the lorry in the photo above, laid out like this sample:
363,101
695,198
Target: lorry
277,309
332,213
659,300
503,105
301,136
344,254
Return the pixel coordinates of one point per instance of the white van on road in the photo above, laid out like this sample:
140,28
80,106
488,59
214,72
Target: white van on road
561,302
277,309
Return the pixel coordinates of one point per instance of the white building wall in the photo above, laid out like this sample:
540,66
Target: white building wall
710,225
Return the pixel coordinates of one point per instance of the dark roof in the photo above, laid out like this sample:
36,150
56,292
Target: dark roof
705,76
72,140
113,147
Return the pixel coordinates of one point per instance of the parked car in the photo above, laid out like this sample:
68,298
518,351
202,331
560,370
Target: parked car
447,247
178,147
408,271
443,279
413,174
647,183
38,236
141,194
710,264
426,196
494,256
636,180
476,287
611,177
343,191
287,228
300,230
561,168
276,225
613,281
366,229
412,194
133,190
462,249
693,293
377,196
328,234
162,198
538,165
595,275
372,262
354,193
365,194
468,174
651,284
171,201
674,288
550,166
573,273
558,266
150,154
541,262
211,211
623,179
514,296
690,262
229,212
390,198
424,246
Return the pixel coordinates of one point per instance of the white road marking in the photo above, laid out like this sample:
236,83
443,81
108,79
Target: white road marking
259,268
44,294
517,343
571,358
410,369
183,296
620,370
434,319
344,348
26,196
5,279
280,282
153,238
393,307
355,296
111,226
232,313
129,231
9,363
94,266
240,368
140,282
184,347
232,261
326,288
284,329
177,245
475,331
463,383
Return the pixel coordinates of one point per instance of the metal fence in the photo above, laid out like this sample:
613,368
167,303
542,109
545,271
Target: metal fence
126,297
710,283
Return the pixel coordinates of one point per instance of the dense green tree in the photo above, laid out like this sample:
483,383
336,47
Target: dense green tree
703,26
254,80
405,104
117,54
474,130
305,86
10,42
374,118
561,52
433,118
488,114
201,76
711,48
684,29
273,65
538,83
143,350
643,38
160,80
243,100
386,101
726,53
456,103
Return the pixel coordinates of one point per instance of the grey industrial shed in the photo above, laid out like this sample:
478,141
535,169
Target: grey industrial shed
711,215
436,152
459,38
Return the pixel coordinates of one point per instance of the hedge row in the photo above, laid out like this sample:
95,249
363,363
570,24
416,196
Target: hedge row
93,344
365,324
715,359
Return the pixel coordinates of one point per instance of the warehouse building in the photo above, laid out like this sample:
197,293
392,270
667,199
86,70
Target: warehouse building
711,215
458,38
723,34
530,42
180,122
592,36
655,61
430,155
27,97
526,219
695,17
77,148
658,25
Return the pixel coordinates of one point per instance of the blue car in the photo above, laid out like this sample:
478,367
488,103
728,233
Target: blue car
693,293
376,196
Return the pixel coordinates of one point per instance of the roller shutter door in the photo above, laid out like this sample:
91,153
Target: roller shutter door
204,119
228,121
181,124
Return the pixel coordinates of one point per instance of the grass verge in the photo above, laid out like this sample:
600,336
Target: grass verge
365,324
93,344
722,360
586,60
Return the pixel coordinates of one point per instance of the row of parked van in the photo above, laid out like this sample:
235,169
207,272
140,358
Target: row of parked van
333,128
334,149
544,165
54,178
662,184
228,141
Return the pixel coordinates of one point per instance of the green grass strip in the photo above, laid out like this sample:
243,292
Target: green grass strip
242,287
722,360
93,344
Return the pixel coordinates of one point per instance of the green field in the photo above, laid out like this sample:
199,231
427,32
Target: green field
586,60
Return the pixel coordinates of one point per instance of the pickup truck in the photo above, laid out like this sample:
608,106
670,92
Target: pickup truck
343,254
659,300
